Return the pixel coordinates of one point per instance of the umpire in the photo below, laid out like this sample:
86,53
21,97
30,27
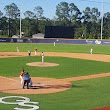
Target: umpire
26,79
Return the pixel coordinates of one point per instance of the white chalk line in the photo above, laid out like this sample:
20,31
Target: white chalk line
40,83
9,78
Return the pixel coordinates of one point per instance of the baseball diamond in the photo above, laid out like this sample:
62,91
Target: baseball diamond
54,55
54,85
48,85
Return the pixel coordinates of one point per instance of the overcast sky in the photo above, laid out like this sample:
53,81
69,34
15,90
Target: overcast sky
49,6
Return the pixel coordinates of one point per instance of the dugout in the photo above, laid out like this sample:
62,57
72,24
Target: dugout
59,32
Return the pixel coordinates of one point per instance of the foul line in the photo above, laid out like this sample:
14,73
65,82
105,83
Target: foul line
9,79
19,81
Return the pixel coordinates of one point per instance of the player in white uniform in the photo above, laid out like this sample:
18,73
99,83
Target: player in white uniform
36,51
42,57
91,50
29,53
21,75
17,48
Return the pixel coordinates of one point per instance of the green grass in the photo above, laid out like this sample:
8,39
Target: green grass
83,95
68,67
24,47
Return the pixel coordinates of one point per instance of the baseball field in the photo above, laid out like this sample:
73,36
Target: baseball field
69,79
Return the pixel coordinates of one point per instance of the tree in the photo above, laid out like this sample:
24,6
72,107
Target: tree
91,15
29,14
106,25
38,15
4,25
87,14
91,18
38,12
74,13
95,15
68,14
1,14
44,21
62,11
13,13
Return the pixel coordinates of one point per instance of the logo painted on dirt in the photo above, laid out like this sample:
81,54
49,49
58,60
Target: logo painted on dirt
24,102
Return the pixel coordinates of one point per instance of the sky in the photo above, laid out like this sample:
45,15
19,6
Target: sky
49,6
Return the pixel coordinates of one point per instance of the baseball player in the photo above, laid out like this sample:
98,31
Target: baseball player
21,75
91,50
36,51
42,57
17,49
30,83
29,53
26,79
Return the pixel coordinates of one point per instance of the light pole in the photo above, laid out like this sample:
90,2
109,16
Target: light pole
20,16
102,18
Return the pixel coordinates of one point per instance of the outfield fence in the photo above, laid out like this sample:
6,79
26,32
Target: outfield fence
58,41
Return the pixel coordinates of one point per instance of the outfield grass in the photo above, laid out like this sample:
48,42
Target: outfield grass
84,95
24,47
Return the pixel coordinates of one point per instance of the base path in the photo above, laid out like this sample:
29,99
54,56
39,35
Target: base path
47,85
42,85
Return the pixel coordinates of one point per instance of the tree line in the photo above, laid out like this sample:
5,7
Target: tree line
87,24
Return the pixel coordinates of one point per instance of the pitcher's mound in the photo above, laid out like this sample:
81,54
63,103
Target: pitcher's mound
40,64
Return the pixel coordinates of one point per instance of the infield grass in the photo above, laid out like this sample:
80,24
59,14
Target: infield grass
68,67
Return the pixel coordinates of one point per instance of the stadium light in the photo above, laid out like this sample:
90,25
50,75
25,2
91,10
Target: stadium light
102,18
20,16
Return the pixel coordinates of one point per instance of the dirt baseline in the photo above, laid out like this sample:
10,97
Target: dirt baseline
47,85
